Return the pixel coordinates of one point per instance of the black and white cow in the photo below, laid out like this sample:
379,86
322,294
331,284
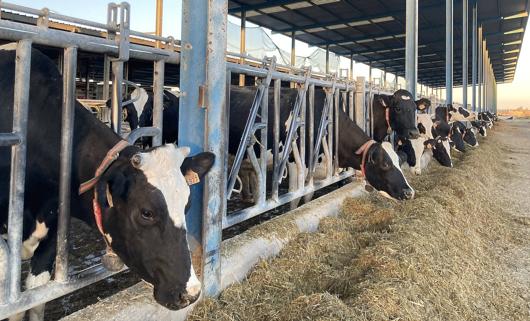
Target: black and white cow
142,196
396,113
466,129
480,127
423,105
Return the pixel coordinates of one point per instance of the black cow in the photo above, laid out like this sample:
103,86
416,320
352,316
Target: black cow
142,195
395,112
457,137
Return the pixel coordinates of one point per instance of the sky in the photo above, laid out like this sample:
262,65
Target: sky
512,95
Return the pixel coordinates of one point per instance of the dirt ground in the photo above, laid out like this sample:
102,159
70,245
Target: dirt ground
459,251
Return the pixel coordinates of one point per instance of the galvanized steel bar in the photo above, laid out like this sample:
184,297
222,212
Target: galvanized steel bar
18,165
106,76
311,133
360,102
117,96
465,54
158,100
9,139
159,20
411,49
327,59
449,51
14,31
216,142
479,68
336,130
4,266
242,44
67,135
276,138
323,124
474,59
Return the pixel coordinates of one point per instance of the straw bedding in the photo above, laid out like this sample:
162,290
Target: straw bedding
440,256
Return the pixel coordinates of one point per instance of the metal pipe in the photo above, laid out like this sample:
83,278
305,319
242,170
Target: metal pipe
14,31
360,90
67,134
106,76
4,265
479,68
327,59
216,142
158,99
465,54
116,112
474,59
159,20
18,165
9,139
242,44
311,120
87,84
411,50
276,136
352,62
449,51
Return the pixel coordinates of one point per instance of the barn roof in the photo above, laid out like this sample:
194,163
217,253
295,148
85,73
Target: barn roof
374,31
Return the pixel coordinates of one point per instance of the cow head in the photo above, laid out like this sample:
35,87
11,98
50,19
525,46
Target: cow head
457,137
414,151
480,126
470,138
423,105
405,147
143,197
402,113
440,150
383,172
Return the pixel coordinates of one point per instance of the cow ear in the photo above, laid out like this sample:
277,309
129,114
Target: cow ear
195,167
111,187
429,143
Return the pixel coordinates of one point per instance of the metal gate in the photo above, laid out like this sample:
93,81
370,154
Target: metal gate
117,45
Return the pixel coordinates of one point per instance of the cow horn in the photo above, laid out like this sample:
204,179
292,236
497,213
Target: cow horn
136,160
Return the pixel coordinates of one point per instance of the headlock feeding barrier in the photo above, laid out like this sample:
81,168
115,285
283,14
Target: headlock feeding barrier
206,72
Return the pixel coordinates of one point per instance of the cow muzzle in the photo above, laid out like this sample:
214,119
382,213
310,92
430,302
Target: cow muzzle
174,299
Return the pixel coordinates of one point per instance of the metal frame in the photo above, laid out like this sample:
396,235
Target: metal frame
12,300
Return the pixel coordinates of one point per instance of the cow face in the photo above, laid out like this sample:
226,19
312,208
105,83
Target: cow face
423,105
418,147
143,199
405,147
441,150
384,174
470,138
457,138
402,113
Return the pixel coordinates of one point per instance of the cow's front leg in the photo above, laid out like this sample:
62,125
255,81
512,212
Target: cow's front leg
41,271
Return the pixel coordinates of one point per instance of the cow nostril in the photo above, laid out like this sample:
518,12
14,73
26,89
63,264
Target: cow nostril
409,193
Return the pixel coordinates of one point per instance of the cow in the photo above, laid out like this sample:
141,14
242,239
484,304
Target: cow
136,198
461,114
487,118
480,126
396,113
423,105
468,135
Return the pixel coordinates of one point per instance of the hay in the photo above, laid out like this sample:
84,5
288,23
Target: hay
440,256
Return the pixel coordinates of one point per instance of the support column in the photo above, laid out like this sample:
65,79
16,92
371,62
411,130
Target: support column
351,66
202,127
474,60
159,19
479,69
293,56
327,59
411,48
242,45
448,51
465,34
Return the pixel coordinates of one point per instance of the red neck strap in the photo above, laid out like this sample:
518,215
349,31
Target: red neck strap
364,151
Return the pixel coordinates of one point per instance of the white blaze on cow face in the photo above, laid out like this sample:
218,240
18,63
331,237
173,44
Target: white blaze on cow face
193,286
426,121
161,167
447,148
141,97
395,160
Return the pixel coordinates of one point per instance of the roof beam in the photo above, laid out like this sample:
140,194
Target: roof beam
264,5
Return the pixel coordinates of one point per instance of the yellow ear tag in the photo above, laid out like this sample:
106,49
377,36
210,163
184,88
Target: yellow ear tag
192,178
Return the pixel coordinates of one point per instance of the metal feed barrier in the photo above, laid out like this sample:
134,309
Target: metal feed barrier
116,45
351,96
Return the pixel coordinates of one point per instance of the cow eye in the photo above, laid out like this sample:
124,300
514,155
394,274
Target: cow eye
147,215
386,166
398,109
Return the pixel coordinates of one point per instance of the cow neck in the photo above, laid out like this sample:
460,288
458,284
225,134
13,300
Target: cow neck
351,140
363,150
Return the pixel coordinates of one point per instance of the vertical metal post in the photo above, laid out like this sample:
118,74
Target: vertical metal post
411,49
311,129
351,67
159,19
327,59
360,95
465,54
117,73
479,68
449,51
396,82
242,44
293,55
87,83
67,134
203,66
106,76
18,165
158,100
370,74
384,78
474,59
